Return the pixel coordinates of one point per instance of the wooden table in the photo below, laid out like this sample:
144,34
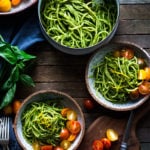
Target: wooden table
66,73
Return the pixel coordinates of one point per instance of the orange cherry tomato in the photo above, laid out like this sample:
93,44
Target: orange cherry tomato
72,137
144,88
106,143
16,105
97,145
64,111
71,115
147,70
64,134
46,147
8,110
127,53
73,126
88,104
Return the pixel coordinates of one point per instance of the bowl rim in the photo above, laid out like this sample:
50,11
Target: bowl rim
131,107
53,92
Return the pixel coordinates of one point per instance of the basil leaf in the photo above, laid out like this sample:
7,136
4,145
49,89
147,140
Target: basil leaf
26,79
8,97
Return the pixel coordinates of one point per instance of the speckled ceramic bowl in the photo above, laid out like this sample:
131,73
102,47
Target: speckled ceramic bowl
66,101
98,57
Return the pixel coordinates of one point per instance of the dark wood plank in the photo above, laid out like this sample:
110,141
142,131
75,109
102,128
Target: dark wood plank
134,1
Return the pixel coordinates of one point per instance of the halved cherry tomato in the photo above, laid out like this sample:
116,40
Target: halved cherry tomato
134,94
58,148
127,53
144,88
73,126
141,63
117,53
97,145
141,74
88,104
112,135
64,111
71,115
106,143
72,137
147,70
46,147
65,144
64,134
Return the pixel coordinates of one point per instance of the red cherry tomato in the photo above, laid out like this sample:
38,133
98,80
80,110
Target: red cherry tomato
88,104
46,147
106,143
144,88
64,134
127,53
58,148
97,145
73,126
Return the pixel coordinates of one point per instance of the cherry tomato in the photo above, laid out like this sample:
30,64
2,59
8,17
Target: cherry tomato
64,111
147,70
141,74
16,105
141,63
88,104
116,53
8,110
127,53
134,94
144,88
58,148
112,135
106,143
46,147
73,126
36,146
71,115
65,144
72,137
97,145
64,134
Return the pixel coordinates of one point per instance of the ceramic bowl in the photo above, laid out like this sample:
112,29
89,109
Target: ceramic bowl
45,95
76,50
98,57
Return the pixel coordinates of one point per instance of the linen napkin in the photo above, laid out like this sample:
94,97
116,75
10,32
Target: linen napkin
22,30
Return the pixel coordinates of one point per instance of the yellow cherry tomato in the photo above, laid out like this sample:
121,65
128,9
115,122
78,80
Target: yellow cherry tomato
112,135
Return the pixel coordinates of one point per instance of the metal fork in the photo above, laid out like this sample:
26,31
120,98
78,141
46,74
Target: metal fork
4,132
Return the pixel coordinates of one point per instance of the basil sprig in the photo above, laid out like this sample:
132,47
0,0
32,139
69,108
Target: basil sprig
12,70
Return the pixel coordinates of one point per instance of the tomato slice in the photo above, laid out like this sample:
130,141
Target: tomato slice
58,148
127,53
73,126
72,137
46,147
64,134
112,135
97,145
71,115
106,143
144,88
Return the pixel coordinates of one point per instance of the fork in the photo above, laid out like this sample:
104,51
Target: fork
4,132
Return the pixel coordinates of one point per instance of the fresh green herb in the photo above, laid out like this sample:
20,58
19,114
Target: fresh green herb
42,122
12,70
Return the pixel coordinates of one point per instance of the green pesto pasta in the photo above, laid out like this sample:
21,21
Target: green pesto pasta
77,24
42,122
116,77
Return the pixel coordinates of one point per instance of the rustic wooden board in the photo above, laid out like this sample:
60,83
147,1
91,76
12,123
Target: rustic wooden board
97,130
